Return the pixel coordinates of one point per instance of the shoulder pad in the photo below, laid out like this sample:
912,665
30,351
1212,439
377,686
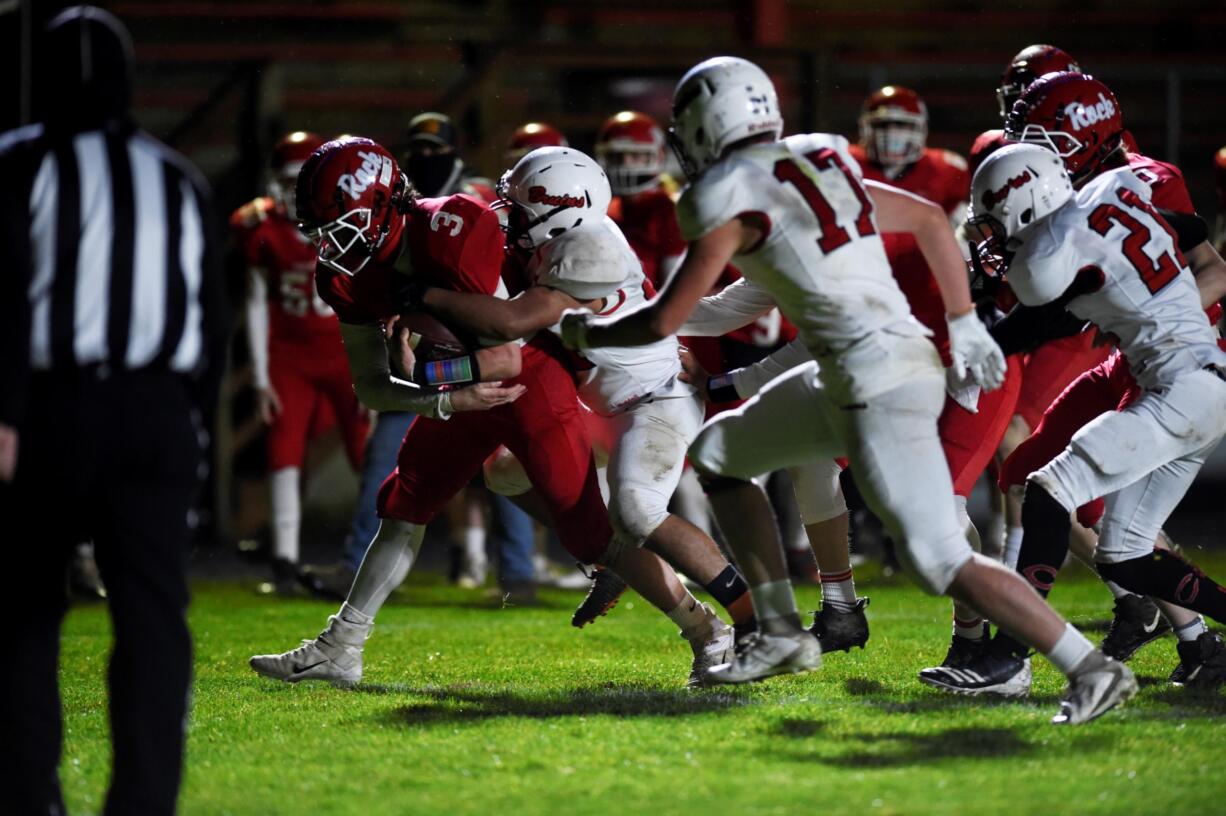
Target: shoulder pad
585,262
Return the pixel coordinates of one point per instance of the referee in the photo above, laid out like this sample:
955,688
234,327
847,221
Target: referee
112,341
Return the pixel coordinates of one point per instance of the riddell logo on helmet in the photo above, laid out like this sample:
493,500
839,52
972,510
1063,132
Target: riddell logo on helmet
993,197
373,167
538,195
1082,116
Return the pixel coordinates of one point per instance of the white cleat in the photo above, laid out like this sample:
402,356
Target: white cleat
765,655
714,647
1098,685
327,657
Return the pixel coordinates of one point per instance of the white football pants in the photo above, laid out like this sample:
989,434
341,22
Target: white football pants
891,441
1140,460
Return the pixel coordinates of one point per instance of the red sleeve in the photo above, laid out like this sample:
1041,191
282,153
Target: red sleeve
671,242
357,299
957,177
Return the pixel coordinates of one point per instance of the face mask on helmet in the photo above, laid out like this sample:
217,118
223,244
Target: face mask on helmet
632,169
891,143
1073,115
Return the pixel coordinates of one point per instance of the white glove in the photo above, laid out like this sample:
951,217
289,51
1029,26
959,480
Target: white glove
974,351
962,389
572,328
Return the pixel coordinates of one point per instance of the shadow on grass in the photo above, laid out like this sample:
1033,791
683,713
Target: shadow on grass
410,600
903,748
878,696
449,706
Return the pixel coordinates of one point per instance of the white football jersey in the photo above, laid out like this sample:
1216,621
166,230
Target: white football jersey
1148,297
821,260
620,377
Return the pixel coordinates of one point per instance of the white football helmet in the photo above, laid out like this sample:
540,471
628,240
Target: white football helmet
1016,187
718,102
549,191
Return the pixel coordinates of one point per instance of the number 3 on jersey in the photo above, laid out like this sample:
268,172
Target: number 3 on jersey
442,220
833,236
1155,272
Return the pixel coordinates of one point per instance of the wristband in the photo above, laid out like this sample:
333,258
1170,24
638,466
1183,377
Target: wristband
722,388
451,372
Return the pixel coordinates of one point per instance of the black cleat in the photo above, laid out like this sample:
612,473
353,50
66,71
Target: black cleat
606,589
1137,621
838,630
1202,662
993,671
964,651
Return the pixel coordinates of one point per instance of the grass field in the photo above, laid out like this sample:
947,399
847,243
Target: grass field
468,708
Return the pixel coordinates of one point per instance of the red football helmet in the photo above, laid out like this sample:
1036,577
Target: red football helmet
288,156
529,137
351,200
1073,114
894,126
630,148
1031,62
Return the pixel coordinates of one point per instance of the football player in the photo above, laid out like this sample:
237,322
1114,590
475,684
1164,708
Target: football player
803,227
1078,118
371,231
1105,254
297,358
652,415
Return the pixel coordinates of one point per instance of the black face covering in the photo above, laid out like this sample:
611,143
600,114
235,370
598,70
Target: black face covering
433,175
83,71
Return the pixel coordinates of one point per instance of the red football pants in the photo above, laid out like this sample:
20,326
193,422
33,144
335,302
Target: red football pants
311,395
970,440
1050,368
545,430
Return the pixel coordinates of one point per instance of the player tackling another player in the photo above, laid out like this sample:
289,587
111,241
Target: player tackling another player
804,227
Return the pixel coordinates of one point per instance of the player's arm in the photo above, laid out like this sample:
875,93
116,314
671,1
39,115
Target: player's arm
745,382
737,304
665,314
1210,271
537,308
900,211
257,343
380,391
970,344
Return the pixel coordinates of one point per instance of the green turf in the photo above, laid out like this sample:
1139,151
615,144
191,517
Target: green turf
469,708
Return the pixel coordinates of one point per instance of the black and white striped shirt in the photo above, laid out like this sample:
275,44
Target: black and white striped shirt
116,253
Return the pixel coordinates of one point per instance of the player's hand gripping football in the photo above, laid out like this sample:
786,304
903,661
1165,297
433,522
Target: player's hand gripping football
573,328
974,351
399,349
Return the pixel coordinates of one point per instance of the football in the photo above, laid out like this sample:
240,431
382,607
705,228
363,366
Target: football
431,339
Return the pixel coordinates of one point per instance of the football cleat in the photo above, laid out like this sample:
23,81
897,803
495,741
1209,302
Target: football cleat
838,630
713,645
762,655
1202,662
1098,685
964,650
335,656
992,672
606,589
1137,621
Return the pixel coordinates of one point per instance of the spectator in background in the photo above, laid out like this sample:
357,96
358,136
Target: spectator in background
112,347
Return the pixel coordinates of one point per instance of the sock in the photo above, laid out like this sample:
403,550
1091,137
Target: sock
1070,650
691,617
969,628
286,513
474,543
993,537
348,627
386,565
1117,590
1163,574
1045,540
732,593
839,590
1013,545
776,606
1192,630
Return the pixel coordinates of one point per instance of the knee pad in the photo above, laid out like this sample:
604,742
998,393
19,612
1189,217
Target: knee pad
635,513
505,475
819,496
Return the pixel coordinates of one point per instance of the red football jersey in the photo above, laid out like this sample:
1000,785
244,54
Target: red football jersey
455,242
941,177
1170,192
272,244
649,222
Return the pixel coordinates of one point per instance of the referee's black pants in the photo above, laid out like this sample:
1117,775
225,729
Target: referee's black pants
116,459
